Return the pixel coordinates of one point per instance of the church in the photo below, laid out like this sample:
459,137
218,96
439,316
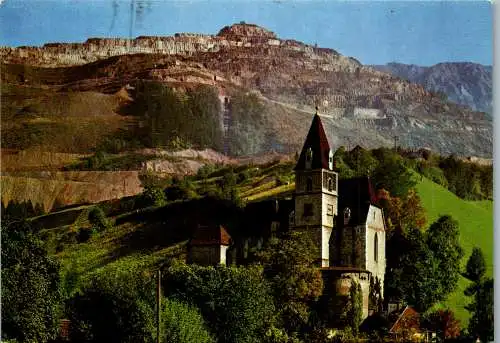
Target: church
341,215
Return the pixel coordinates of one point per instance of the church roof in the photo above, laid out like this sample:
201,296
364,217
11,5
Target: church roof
357,194
318,142
210,235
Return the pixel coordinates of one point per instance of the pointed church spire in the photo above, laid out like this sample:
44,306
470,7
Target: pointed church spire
316,150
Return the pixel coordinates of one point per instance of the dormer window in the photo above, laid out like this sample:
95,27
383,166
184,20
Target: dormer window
309,157
347,215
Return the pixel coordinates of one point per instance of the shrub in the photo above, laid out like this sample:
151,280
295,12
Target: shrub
182,323
244,175
205,171
84,234
235,302
154,196
98,219
114,307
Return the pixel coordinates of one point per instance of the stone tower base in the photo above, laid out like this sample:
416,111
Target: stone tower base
337,283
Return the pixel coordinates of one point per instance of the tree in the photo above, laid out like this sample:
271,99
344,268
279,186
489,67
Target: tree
355,312
182,323
234,301
361,161
290,265
414,213
444,323
391,173
98,219
425,267
115,306
402,213
482,322
443,240
31,294
481,290
375,298
205,126
476,265
248,129
154,196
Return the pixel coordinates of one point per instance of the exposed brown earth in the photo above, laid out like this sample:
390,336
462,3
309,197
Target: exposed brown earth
65,98
52,189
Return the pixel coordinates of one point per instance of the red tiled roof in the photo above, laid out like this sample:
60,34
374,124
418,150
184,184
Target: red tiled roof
318,142
211,235
408,319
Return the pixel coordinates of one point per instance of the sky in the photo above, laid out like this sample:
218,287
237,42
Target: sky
414,32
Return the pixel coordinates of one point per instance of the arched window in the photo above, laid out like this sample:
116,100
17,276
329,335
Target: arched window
330,160
347,215
375,248
309,184
309,157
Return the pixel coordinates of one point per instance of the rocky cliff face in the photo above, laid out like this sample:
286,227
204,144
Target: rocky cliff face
360,104
468,84
185,44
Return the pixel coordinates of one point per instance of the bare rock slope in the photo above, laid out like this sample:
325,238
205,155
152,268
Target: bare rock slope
360,104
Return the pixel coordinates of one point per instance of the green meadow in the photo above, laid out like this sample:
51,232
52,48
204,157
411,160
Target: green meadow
475,219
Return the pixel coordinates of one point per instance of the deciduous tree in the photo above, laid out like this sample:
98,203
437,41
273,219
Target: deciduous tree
234,301
31,294
444,323
290,265
114,306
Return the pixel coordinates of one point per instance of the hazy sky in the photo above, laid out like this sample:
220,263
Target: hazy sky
419,32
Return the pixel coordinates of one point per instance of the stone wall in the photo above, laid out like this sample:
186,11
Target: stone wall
375,226
206,255
352,246
337,285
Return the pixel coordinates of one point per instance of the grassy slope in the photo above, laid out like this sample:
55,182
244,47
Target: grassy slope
476,229
106,252
475,220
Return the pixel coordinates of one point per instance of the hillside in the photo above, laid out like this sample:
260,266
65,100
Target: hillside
468,84
135,240
361,105
475,220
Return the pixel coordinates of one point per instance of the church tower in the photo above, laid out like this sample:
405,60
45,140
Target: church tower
316,187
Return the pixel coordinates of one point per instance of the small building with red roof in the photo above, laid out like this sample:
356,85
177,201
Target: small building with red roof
209,245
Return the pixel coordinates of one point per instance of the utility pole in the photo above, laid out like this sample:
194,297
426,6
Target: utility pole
158,305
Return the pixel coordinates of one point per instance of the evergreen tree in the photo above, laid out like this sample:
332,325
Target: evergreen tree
476,265
355,312
482,322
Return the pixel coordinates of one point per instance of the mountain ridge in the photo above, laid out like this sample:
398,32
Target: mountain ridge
465,83
360,104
